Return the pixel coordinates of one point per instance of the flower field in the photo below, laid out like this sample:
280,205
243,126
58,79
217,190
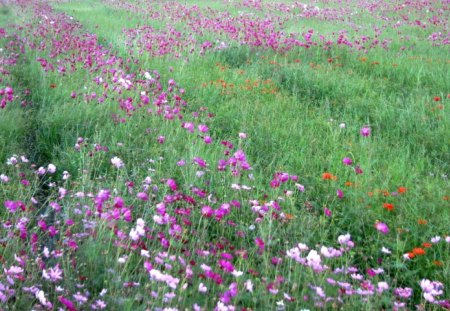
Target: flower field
224,155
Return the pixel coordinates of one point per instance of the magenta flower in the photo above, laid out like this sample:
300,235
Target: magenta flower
260,243
172,184
340,193
327,212
365,131
142,196
203,128
382,227
347,161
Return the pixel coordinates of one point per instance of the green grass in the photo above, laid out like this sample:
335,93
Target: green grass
291,106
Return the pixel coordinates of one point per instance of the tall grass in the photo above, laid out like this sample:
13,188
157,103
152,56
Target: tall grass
167,203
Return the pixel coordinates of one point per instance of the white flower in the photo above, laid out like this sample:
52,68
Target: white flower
51,168
117,162
385,250
4,178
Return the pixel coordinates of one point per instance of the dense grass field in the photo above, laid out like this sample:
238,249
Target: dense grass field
224,155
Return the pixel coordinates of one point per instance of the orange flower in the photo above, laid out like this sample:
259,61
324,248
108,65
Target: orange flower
328,176
348,184
411,255
53,85
402,190
388,206
418,251
370,194
426,245
438,263
422,222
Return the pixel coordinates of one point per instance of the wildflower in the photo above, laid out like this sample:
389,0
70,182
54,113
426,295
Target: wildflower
260,243
402,190
422,222
51,168
409,255
207,140
202,288
172,184
203,128
382,286
386,250
242,135
11,161
327,212
53,274
117,162
300,187
403,292
4,178
418,251
382,227
435,239
388,206
438,263
347,161
436,98
249,285
342,126
40,295
142,196
328,176
41,171
340,193
358,170
81,299
365,131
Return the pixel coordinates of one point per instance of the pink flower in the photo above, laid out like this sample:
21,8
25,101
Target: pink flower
203,128
172,184
260,243
202,288
365,131
142,196
347,161
51,168
117,162
340,194
327,212
382,227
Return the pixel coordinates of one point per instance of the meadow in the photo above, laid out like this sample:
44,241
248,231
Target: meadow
224,155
